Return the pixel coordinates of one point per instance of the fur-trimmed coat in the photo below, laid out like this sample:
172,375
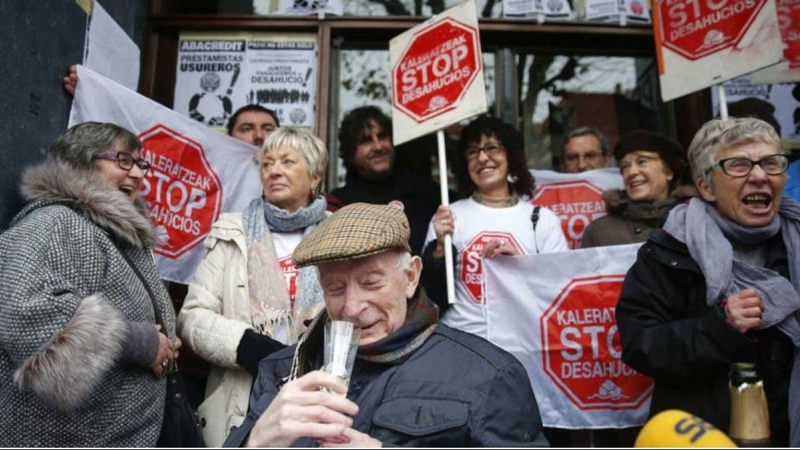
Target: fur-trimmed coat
68,303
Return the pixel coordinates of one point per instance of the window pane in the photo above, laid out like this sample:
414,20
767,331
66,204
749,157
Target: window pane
558,93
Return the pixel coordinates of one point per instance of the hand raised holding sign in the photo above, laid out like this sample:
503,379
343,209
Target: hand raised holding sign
497,247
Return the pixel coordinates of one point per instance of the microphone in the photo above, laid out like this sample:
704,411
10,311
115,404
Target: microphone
674,428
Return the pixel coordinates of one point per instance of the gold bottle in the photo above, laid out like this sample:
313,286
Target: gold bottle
749,413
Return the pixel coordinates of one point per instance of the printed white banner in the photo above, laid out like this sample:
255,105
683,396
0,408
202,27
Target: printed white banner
531,9
561,325
109,50
576,198
196,172
218,75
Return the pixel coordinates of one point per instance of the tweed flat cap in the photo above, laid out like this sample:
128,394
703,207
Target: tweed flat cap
355,231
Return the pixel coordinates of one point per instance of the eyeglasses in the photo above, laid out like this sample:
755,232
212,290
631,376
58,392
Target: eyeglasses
739,167
125,161
491,149
590,157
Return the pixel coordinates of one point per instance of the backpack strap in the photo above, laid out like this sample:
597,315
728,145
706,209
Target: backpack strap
535,216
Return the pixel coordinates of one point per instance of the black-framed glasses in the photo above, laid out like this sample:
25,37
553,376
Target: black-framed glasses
739,167
491,148
125,161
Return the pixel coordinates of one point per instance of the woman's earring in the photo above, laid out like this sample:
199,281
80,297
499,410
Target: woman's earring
313,193
511,178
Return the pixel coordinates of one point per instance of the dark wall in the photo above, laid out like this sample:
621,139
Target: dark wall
41,39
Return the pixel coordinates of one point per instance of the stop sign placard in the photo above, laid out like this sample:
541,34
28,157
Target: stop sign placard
576,203
183,193
437,73
436,69
697,28
581,347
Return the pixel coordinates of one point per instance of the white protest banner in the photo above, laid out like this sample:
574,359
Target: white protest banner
788,69
218,73
109,50
196,172
533,9
576,198
561,325
700,43
620,11
437,73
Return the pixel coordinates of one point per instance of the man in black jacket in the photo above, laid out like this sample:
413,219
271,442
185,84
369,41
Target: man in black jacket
415,382
368,154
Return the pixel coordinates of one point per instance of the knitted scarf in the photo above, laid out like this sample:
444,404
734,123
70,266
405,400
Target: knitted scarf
708,237
420,323
267,289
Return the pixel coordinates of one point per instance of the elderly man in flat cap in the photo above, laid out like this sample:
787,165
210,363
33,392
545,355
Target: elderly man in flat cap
414,383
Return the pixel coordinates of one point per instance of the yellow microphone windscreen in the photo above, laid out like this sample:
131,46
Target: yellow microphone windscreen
676,429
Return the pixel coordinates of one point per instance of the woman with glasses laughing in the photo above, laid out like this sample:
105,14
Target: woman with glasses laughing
82,357
495,218
719,284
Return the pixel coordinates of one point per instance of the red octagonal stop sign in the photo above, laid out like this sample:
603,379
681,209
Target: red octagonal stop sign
697,28
436,69
183,193
576,203
471,273
582,347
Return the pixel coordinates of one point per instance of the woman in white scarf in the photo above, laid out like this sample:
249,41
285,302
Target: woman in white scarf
247,300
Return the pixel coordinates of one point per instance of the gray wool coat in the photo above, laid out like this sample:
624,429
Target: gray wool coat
76,322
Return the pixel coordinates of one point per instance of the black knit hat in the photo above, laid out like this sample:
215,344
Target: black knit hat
668,149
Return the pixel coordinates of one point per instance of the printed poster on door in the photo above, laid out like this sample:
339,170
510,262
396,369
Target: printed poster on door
218,73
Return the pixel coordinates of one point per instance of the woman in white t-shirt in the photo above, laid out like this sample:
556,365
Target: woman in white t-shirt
247,300
496,218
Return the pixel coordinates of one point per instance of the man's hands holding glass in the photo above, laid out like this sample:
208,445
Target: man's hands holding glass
302,409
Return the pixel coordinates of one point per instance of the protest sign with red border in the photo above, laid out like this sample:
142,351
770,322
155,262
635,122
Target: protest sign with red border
700,43
437,73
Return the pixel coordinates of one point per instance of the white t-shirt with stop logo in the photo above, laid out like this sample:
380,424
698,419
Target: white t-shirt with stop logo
475,226
285,244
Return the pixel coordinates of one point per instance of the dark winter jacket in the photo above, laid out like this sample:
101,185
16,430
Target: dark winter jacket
77,326
420,198
668,332
630,222
457,390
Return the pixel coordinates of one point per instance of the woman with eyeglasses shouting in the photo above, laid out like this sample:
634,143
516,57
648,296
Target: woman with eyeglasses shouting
495,218
719,284
82,305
